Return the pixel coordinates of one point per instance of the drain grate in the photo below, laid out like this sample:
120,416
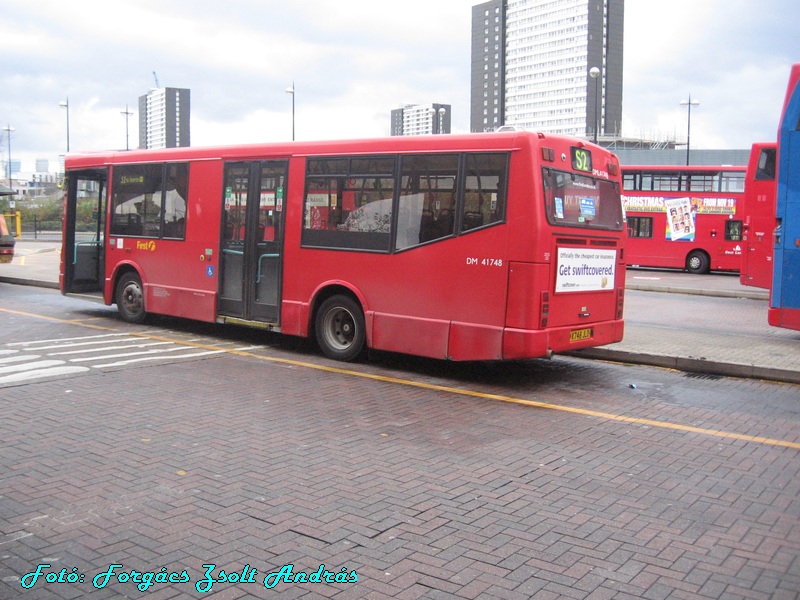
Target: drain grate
710,376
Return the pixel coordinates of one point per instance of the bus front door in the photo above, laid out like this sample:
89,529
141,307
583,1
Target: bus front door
252,240
82,254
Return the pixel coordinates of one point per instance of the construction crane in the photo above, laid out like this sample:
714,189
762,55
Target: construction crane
156,78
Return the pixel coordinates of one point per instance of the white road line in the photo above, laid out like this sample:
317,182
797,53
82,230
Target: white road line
21,365
19,358
86,337
39,364
105,349
74,345
122,363
125,354
49,372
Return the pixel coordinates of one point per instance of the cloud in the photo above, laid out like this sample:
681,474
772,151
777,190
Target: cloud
730,55
353,61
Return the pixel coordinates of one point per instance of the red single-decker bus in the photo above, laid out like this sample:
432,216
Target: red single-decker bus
476,247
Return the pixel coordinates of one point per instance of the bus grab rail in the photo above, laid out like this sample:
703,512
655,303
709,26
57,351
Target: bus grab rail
260,262
96,244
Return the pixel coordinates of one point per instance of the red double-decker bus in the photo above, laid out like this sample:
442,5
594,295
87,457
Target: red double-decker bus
475,247
684,217
758,216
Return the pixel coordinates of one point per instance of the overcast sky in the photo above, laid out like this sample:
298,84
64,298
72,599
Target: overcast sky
352,62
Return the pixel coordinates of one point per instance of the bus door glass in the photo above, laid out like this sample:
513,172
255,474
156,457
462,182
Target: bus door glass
84,226
252,240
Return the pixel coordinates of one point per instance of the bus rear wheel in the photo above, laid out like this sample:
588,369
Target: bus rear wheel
130,298
340,328
697,262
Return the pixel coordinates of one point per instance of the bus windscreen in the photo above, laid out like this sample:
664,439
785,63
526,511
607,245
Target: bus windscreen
573,200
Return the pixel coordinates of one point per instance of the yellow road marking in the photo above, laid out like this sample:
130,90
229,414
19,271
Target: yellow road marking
441,388
57,320
497,397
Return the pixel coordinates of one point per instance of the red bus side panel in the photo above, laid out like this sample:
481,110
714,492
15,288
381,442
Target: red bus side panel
475,342
523,304
410,335
186,303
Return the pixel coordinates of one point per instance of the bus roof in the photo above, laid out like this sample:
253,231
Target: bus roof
496,141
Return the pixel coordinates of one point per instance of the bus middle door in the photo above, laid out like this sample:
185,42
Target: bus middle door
252,240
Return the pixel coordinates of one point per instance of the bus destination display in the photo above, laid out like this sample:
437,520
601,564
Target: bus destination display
581,159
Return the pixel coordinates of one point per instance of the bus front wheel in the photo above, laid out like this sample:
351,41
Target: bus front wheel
340,328
697,262
130,298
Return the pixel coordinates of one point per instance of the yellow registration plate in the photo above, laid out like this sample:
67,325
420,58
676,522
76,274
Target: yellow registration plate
580,334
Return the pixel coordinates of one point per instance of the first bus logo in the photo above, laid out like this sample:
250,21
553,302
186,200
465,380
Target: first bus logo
146,245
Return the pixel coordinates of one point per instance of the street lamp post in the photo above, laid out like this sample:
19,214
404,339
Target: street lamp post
8,129
689,103
290,90
65,104
127,114
594,73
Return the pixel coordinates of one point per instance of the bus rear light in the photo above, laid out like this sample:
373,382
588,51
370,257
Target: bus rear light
620,302
548,154
613,169
544,310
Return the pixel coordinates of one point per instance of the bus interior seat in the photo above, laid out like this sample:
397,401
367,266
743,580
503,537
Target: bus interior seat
472,220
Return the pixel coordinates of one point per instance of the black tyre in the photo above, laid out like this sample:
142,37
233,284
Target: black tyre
697,262
340,328
130,298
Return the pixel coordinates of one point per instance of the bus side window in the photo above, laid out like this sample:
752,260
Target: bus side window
136,198
348,203
733,231
173,206
484,190
150,200
766,164
427,199
641,227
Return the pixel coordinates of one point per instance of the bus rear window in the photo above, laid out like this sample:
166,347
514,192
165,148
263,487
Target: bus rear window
573,200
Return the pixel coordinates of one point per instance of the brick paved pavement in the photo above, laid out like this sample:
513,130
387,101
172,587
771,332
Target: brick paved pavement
425,493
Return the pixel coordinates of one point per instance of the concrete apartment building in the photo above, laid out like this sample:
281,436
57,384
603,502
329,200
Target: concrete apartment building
421,119
164,118
532,66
